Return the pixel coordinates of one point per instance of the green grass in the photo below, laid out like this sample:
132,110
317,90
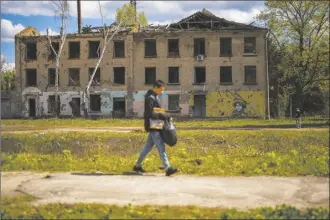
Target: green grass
18,208
50,123
204,153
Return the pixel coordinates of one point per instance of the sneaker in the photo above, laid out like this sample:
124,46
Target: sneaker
138,169
171,171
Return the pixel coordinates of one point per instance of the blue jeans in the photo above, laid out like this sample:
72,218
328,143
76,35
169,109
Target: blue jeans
154,138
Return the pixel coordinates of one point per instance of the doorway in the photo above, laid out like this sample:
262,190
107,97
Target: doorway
119,107
32,108
75,107
199,106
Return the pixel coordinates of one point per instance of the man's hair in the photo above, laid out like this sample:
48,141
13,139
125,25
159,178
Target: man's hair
159,83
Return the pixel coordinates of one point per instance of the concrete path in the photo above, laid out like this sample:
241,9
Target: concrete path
239,192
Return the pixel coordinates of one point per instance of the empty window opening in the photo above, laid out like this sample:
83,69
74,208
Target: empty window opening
74,50
31,51
173,75
56,46
200,75
52,103
150,75
74,77
173,102
250,75
97,76
52,77
250,45
119,75
199,46
95,103
31,77
94,49
119,49
225,47
226,74
173,47
150,48
119,107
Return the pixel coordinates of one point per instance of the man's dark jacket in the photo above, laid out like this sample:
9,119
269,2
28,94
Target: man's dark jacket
151,101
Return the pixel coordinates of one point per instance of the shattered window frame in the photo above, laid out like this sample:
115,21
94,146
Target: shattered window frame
94,48
71,49
151,46
174,74
250,75
196,70
250,46
226,73
152,79
173,102
95,98
97,78
28,78
119,72
173,51
226,49
28,47
197,46
51,75
119,49
51,55
71,72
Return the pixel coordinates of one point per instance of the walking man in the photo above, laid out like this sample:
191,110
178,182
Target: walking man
298,118
151,116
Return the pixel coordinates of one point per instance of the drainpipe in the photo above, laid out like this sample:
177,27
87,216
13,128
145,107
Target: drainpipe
267,74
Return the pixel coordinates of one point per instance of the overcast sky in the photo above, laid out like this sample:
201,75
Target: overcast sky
17,15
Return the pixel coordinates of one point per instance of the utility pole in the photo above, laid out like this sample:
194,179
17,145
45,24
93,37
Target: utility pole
79,15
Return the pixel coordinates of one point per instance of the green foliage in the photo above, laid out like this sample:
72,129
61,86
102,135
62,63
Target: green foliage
18,208
127,15
87,29
7,79
300,32
218,153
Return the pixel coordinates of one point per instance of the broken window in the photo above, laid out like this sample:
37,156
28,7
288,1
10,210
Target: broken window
150,75
94,49
200,75
119,107
173,47
56,46
225,74
31,51
31,77
199,46
51,76
225,46
119,75
74,50
74,77
119,49
173,75
173,102
97,76
249,45
52,103
150,48
250,75
95,103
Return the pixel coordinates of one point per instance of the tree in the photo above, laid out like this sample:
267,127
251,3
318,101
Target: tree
7,76
62,10
125,16
301,32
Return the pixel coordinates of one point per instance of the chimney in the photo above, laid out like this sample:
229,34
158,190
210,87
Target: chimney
133,3
79,16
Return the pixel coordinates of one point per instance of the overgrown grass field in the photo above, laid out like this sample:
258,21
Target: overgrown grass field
218,153
207,123
18,208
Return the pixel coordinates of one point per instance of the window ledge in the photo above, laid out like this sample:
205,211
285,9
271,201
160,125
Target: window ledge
226,55
78,58
78,85
118,57
226,84
31,86
250,83
250,55
151,56
173,56
91,58
118,84
199,84
173,84
30,59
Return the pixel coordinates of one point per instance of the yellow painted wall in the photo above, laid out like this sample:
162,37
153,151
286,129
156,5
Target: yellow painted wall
222,104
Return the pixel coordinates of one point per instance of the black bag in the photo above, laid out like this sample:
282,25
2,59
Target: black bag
169,133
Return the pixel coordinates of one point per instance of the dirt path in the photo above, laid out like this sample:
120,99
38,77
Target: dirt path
239,192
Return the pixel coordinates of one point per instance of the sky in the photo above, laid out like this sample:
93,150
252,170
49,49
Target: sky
17,15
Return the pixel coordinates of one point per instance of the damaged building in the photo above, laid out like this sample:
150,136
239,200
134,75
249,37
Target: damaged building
212,67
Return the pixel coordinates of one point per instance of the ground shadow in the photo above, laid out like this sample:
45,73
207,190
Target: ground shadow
126,173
